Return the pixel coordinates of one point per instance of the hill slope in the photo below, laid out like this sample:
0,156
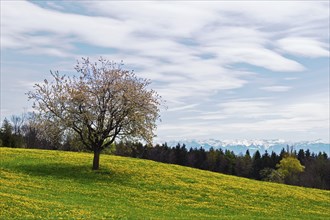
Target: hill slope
40,184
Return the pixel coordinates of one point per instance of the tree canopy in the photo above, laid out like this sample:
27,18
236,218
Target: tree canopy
102,103
290,166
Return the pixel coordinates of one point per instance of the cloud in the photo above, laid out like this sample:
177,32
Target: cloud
276,88
236,110
211,117
52,24
187,130
290,78
304,47
263,57
245,108
257,117
150,29
180,108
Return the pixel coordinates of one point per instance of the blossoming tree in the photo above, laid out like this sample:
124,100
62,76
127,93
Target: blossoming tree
103,103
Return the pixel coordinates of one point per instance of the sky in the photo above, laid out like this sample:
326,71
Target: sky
225,69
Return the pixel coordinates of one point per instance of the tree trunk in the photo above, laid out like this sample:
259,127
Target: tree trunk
96,160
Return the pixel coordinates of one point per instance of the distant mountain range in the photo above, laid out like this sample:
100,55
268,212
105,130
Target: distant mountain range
240,146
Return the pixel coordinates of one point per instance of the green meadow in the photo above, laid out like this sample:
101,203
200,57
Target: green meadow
43,184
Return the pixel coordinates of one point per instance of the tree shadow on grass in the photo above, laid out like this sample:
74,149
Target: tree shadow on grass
79,173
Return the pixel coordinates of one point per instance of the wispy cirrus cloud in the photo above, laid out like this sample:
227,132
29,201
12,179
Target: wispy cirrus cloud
276,88
250,117
304,47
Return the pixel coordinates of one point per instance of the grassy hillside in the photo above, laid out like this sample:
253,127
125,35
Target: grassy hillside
40,184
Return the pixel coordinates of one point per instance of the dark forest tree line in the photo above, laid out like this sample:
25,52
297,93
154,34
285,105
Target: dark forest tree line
301,168
313,169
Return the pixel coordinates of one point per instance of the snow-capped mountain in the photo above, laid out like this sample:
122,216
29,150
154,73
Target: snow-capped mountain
240,146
